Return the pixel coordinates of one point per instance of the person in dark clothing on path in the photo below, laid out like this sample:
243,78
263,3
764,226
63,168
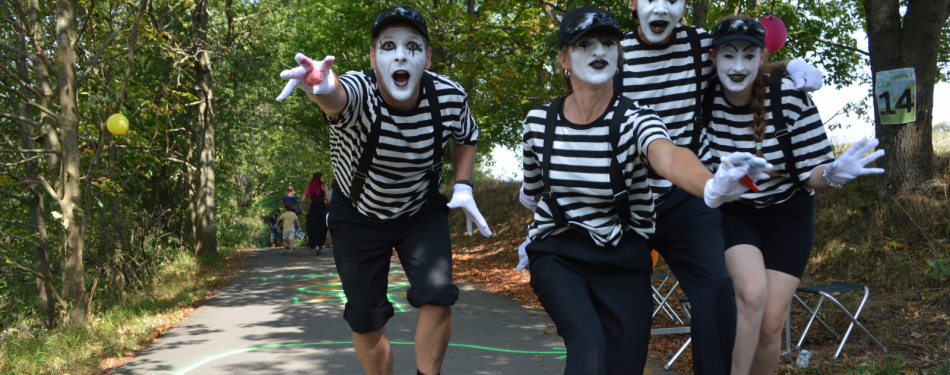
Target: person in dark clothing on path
316,198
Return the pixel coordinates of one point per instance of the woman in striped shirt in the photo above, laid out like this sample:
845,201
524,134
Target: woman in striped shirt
768,233
588,156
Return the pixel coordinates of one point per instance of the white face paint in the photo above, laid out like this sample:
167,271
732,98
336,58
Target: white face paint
737,65
594,59
401,58
659,17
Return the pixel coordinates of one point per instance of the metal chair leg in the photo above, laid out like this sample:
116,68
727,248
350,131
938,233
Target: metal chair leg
854,322
677,355
827,327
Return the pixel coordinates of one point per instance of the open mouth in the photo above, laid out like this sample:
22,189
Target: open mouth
658,26
737,77
401,78
599,64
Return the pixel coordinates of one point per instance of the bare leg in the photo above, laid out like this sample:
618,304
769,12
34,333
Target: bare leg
747,270
432,337
781,287
374,351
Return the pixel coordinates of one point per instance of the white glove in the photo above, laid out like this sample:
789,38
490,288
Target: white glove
806,77
725,186
314,81
851,165
526,200
757,165
522,255
462,197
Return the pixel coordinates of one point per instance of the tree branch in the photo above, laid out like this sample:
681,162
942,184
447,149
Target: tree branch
95,58
839,45
14,196
34,151
19,118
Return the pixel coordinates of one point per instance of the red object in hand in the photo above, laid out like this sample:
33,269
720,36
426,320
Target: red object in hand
775,33
748,182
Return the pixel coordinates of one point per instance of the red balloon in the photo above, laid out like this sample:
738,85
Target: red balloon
775,33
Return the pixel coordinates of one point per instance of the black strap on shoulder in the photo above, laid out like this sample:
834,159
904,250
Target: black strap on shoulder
709,99
782,134
696,49
438,150
372,143
621,191
551,123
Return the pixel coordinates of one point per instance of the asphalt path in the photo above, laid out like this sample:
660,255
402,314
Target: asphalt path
284,315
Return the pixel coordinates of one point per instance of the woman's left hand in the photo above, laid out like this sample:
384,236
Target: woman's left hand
851,164
806,77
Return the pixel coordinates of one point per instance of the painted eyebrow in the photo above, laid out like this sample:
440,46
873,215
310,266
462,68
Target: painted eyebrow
747,48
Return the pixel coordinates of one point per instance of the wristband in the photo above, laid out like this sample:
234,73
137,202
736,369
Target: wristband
466,182
824,177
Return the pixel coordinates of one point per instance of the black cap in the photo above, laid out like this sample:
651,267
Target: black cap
398,14
587,18
739,29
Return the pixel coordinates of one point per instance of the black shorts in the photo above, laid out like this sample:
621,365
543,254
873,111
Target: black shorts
362,250
783,232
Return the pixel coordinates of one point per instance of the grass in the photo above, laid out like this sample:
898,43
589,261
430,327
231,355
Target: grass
888,244
116,333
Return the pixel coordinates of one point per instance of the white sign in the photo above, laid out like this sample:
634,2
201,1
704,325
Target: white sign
896,95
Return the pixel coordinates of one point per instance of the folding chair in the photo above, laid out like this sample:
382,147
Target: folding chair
684,303
826,291
661,299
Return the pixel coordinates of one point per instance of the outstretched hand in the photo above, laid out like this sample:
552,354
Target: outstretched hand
313,77
850,165
462,197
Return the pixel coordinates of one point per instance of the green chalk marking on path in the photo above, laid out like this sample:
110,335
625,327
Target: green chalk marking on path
503,350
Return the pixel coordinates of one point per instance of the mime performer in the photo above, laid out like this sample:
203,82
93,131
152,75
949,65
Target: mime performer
388,130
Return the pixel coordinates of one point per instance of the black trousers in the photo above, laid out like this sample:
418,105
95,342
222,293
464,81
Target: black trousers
689,236
599,299
317,224
362,251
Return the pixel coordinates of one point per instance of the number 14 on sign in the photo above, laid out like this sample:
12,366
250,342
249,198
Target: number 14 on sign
896,93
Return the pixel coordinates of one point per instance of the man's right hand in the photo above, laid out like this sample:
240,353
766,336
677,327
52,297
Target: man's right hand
313,77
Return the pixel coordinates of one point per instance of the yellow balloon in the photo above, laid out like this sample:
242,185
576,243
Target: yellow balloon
117,124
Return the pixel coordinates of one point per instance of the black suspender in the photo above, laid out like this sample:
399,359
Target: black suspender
551,123
435,171
782,134
617,180
696,49
372,143
621,191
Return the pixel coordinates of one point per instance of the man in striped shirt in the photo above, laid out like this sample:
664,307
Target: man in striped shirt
388,130
667,66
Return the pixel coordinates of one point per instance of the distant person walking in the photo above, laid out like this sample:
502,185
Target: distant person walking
293,199
275,234
316,197
288,224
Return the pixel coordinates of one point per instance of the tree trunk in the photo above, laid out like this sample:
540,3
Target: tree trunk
74,278
35,202
909,43
51,137
206,241
700,9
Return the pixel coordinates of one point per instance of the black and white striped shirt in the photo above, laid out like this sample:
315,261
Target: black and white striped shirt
730,130
664,76
397,184
580,172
